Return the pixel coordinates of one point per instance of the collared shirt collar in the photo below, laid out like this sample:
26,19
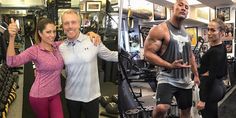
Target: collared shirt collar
79,39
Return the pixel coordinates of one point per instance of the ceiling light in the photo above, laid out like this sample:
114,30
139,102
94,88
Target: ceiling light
190,2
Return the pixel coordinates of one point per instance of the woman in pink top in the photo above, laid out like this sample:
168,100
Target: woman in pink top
44,95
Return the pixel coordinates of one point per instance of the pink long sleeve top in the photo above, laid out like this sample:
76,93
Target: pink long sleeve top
48,69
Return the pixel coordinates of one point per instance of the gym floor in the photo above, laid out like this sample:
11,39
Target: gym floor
16,109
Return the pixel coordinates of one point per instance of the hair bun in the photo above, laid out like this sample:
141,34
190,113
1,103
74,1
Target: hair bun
221,17
42,18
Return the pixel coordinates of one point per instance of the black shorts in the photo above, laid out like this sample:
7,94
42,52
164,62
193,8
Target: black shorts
165,93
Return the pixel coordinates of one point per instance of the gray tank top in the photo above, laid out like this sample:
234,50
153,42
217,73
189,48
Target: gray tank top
179,47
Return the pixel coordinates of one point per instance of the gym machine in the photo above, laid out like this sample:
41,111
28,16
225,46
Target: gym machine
130,104
128,101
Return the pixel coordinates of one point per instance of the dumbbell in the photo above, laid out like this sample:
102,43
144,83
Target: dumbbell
1,85
15,77
2,79
4,99
2,115
12,97
6,108
112,108
14,86
7,88
10,82
4,66
3,75
2,107
132,113
8,75
10,100
4,70
104,100
3,110
13,91
115,98
147,112
6,93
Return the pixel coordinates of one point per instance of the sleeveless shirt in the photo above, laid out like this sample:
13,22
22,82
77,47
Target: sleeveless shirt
179,47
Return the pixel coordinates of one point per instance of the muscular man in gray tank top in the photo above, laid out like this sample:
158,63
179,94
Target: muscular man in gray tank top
168,46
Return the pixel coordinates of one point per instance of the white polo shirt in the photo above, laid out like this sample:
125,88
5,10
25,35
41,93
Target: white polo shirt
80,58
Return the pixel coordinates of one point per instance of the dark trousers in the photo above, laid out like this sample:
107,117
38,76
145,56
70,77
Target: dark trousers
210,111
216,93
89,109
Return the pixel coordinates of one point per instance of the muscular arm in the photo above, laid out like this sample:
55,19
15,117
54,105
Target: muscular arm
153,44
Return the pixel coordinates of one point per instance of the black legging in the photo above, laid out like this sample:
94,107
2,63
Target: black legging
215,94
89,109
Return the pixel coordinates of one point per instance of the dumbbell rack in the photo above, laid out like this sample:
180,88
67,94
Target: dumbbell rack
8,87
110,104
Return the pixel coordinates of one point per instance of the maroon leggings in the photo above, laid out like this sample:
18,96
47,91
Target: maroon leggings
48,107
